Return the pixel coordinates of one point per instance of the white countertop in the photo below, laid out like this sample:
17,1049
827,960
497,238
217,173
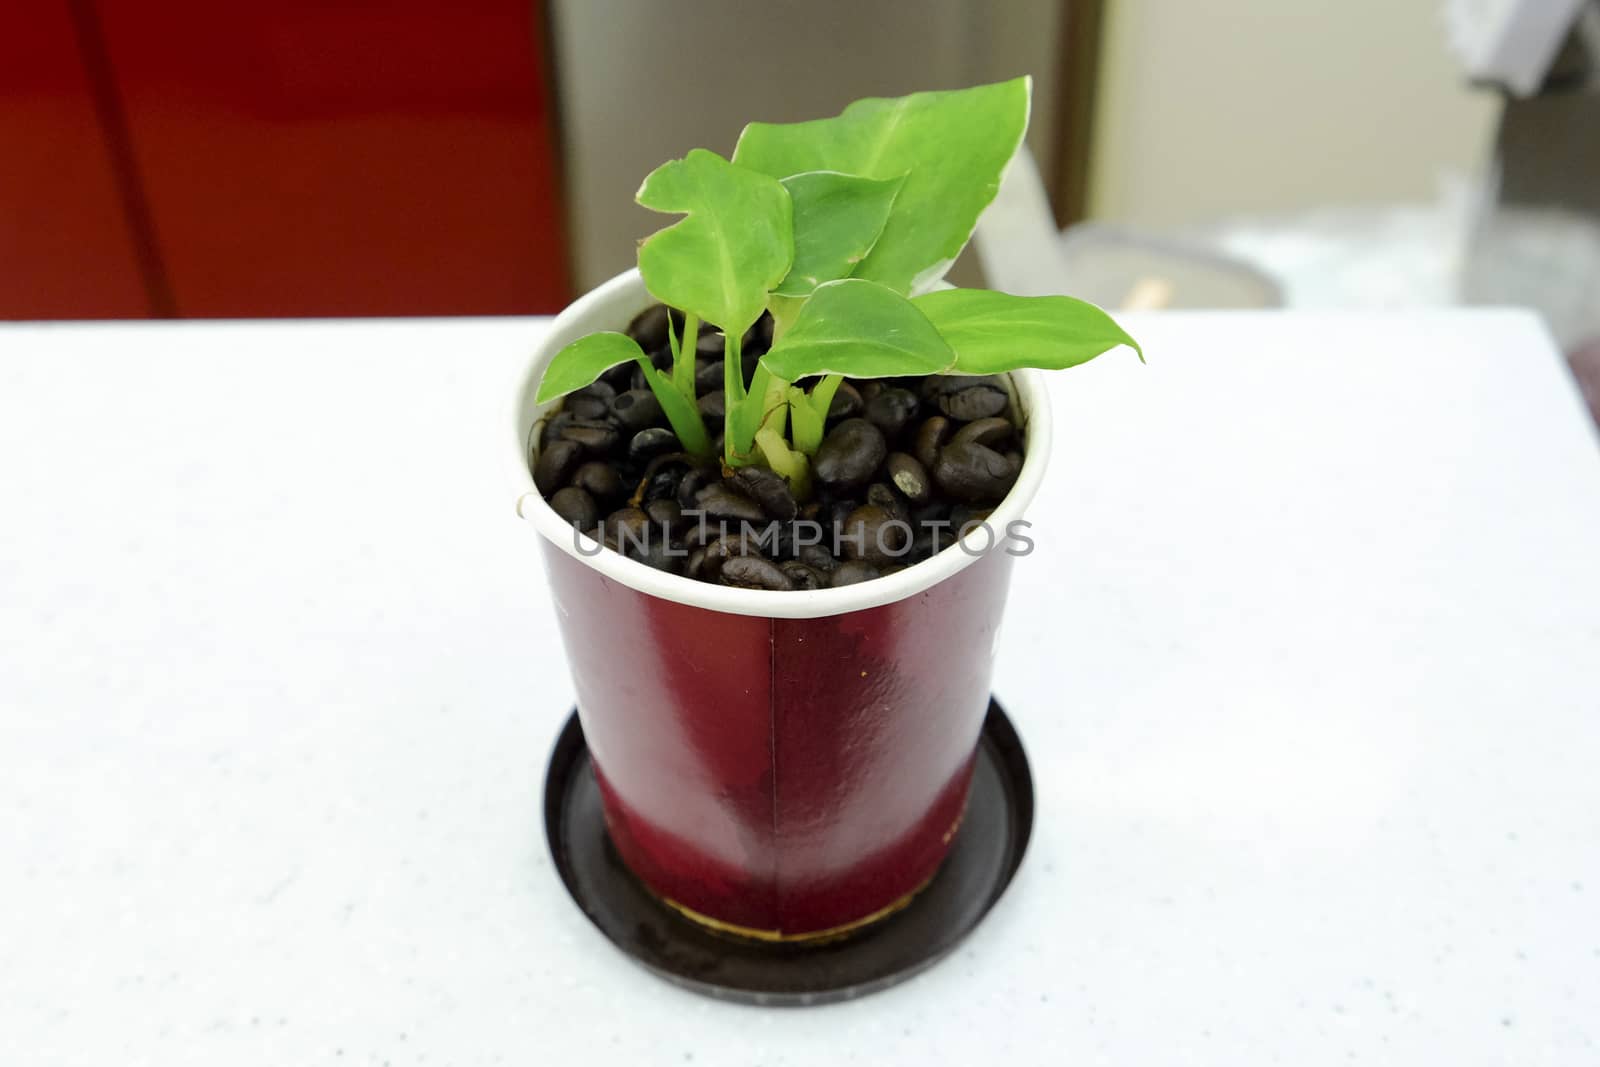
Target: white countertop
1307,663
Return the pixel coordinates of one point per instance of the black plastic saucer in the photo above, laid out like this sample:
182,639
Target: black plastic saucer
986,853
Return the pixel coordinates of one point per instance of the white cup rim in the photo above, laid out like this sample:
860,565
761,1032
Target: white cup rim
610,306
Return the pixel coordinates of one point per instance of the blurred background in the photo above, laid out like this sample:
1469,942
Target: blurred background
172,158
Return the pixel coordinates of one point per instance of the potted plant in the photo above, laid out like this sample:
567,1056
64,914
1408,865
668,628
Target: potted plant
779,472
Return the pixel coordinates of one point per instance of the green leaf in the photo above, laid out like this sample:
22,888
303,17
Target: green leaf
837,220
733,248
784,309
859,328
584,360
994,332
950,146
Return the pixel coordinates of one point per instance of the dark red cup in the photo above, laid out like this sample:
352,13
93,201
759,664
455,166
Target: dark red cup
783,765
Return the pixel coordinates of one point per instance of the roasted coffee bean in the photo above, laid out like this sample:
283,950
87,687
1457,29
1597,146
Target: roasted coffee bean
909,476
636,409
838,511
709,344
701,529
964,519
555,465
599,479
846,402
586,407
648,444
873,534
665,512
852,571
892,410
660,553
767,489
850,454
926,542
759,337
619,376
718,501
593,401
649,327
693,481
597,438
662,484
695,565
629,528
879,494
973,473
932,435
991,433
711,406
718,552
576,507
708,375
804,576
816,556
871,388
973,398
753,572
551,429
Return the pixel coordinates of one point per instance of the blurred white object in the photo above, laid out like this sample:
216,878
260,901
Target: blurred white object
1509,42
1022,252
1541,257
1378,257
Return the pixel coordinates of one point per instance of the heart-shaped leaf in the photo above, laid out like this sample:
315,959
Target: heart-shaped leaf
734,247
584,360
950,146
994,332
837,220
861,329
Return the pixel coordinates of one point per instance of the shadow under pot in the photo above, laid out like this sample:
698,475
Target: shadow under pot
783,765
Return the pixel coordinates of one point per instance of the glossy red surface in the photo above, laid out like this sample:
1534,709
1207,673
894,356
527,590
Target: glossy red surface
68,250
787,775
367,157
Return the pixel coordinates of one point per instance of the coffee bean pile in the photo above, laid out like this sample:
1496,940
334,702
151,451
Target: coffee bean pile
906,464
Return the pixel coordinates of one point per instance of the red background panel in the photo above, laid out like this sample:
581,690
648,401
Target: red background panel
387,157
66,249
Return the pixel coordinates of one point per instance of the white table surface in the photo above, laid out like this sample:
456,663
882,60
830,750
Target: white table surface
1307,663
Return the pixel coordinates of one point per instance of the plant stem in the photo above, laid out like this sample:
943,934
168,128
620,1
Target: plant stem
806,423
681,412
822,396
684,354
785,461
733,397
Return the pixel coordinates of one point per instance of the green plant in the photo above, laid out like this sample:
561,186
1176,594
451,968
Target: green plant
838,227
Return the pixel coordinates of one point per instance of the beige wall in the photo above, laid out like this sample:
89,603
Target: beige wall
1217,107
